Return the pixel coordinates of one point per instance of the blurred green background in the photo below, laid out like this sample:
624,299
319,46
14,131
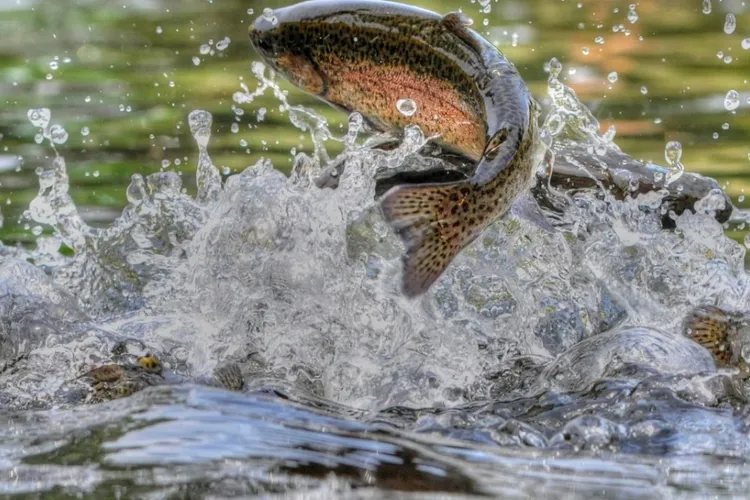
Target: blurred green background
122,76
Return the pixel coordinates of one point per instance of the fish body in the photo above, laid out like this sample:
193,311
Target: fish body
372,57
725,333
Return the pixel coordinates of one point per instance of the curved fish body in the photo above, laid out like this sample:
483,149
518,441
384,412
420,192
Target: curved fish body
371,57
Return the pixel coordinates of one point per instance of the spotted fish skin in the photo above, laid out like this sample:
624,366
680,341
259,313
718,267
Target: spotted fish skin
365,56
722,332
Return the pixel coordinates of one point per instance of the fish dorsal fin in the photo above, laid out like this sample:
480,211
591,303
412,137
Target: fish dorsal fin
456,23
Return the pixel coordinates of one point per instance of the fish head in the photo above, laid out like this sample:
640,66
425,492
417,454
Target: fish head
278,43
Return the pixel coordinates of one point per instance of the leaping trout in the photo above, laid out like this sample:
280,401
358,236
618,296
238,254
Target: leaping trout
368,55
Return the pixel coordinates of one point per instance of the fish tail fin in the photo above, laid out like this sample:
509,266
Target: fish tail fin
712,328
435,221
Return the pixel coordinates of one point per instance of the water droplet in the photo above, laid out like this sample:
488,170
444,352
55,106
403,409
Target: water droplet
715,135
85,131
632,14
250,12
599,40
223,44
261,115
243,143
657,121
36,230
53,65
235,127
196,60
49,76
585,51
747,240
673,153
554,68
706,6
165,163
612,77
159,30
38,138
730,24
732,100
39,117
644,90
727,59
96,173
269,15
205,49
725,126
87,98
746,44
58,134
514,40
741,198
406,107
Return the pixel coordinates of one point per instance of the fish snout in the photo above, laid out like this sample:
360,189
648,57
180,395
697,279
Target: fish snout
262,33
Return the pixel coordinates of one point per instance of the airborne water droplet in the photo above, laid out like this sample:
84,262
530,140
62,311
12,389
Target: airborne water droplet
269,15
706,6
555,67
85,131
644,90
39,117
612,77
406,107
732,100
673,154
730,24
746,44
632,14
58,134
223,44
